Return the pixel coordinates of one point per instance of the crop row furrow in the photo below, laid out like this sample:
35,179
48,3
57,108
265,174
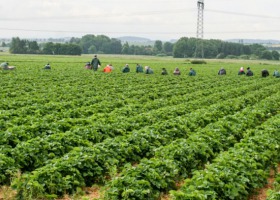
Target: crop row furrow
89,106
36,152
97,130
182,156
83,166
236,173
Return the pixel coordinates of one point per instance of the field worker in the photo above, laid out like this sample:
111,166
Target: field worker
265,73
148,70
5,66
176,71
164,72
108,68
276,74
95,63
241,71
249,72
47,66
192,72
222,71
139,68
126,69
88,66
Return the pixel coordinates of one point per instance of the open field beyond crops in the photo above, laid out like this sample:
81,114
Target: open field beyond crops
135,136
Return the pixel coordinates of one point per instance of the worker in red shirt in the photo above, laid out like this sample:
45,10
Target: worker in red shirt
108,68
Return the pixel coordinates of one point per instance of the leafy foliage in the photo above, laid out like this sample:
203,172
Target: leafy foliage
68,128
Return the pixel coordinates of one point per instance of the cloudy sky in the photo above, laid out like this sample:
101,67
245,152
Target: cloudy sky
154,19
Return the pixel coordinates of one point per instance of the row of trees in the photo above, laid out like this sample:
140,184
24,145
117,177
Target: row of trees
24,46
103,44
61,49
183,48
19,46
187,47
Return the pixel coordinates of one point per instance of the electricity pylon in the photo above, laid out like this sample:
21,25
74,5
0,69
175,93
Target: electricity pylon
199,32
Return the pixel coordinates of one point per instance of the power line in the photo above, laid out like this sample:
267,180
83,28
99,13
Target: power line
99,32
73,17
266,31
242,14
140,13
123,32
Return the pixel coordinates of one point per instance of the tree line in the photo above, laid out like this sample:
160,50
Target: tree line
184,48
19,46
102,44
187,47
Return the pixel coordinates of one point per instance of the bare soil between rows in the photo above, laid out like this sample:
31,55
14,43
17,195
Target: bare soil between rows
92,193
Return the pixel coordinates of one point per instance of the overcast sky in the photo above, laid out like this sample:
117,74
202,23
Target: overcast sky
154,19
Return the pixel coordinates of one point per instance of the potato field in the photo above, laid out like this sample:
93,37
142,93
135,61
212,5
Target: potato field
137,136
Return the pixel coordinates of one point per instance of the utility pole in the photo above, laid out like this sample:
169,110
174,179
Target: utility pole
199,31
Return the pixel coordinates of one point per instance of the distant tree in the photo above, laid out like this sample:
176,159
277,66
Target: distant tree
210,49
148,50
101,43
168,48
229,48
86,42
115,46
33,47
131,50
57,49
158,47
104,48
275,55
48,48
257,49
24,46
3,44
139,50
74,40
184,48
266,55
18,46
62,49
180,48
92,49
125,48
73,49
246,49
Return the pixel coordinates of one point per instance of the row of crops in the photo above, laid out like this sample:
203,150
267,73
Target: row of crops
138,136
274,194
